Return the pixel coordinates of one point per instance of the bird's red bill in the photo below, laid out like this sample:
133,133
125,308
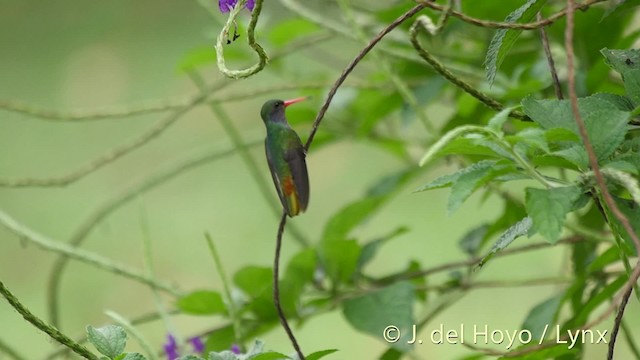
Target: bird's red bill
296,100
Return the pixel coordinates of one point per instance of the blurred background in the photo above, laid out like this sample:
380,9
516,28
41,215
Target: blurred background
71,56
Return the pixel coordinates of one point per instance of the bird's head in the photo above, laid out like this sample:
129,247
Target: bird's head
273,110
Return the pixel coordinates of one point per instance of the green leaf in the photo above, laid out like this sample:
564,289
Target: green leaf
270,355
471,180
254,280
554,352
621,102
535,137
190,357
450,179
606,125
516,230
320,354
220,339
370,249
286,31
340,259
596,300
373,312
621,6
202,302
627,63
549,207
504,39
542,315
136,356
109,340
498,120
472,240
341,223
225,355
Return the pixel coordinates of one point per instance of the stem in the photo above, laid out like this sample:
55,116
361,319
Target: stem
120,320
49,330
227,289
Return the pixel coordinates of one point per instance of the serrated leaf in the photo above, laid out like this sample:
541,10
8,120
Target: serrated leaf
202,302
542,315
136,356
606,125
549,207
320,354
516,230
373,312
225,355
450,179
534,137
498,120
109,340
504,39
470,181
621,102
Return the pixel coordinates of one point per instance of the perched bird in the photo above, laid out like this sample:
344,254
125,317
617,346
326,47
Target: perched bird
286,157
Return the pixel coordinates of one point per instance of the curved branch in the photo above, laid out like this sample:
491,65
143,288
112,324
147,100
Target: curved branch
42,326
262,55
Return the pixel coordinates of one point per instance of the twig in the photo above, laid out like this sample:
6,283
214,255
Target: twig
421,23
474,261
617,322
116,202
115,153
506,25
233,313
552,67
352,65
262,55
276,287
87,257
42,326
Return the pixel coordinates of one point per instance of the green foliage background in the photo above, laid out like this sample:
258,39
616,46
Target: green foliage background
92,55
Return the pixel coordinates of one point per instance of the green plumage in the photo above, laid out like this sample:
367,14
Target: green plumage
286,158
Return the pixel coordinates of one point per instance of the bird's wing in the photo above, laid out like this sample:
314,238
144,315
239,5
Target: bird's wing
295,158
276,181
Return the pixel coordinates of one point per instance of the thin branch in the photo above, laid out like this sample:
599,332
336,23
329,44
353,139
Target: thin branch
115,203
115,153
276,287
126,324
623,296
42,326
422,24
474,260
552,66
352,65
87,257
506,25
222,37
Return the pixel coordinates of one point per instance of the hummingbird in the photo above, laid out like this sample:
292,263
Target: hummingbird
286,157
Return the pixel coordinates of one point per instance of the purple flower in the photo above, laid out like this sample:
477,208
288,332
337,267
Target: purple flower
235,349
198,345
226,5
171,348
